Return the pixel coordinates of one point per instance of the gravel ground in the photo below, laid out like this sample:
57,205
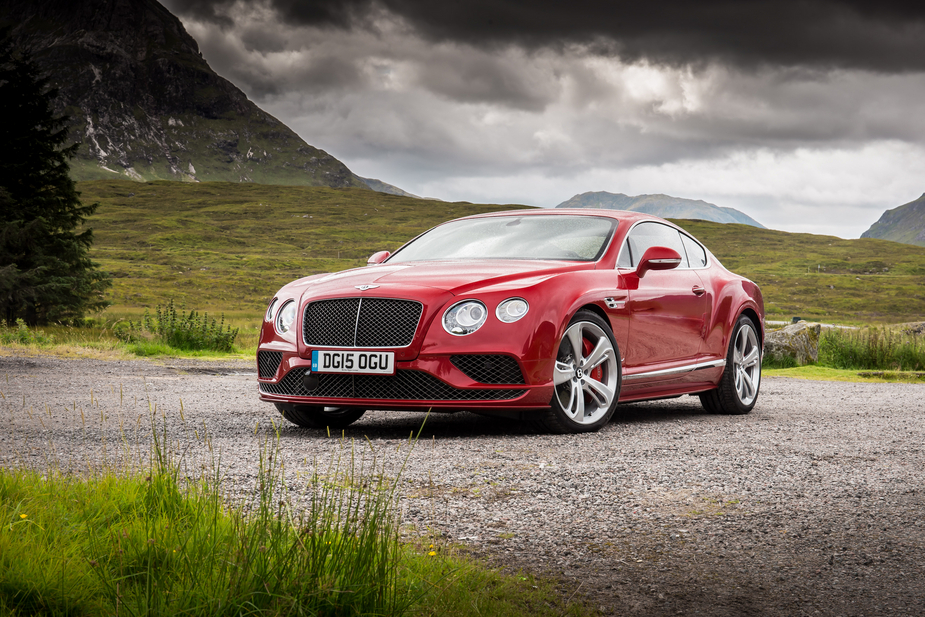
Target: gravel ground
810,505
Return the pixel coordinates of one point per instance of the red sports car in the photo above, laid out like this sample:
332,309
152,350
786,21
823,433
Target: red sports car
552,316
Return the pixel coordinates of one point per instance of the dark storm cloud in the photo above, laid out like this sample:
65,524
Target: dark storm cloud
884,36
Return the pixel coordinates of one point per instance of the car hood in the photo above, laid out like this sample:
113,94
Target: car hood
456,277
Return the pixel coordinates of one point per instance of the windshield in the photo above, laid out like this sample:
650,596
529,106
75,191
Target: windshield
573,238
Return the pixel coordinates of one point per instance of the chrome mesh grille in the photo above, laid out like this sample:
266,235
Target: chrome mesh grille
404,385
268,363
489,369
331,322
361,322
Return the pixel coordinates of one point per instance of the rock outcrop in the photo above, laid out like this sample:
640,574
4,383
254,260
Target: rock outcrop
799,341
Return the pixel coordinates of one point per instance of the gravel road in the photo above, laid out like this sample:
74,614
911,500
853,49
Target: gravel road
813,504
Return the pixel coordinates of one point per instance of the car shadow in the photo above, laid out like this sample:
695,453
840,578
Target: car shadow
667,410
461,425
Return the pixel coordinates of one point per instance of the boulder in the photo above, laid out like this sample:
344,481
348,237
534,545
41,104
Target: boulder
799,341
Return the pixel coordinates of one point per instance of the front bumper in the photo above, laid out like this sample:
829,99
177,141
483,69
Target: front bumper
441,382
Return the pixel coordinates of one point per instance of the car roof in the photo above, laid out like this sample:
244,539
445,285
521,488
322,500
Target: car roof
623,215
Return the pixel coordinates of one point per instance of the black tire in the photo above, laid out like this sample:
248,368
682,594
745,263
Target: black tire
737,391
587,381
311,416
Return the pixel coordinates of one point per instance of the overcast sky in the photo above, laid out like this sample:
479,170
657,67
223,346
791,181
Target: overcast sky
807,115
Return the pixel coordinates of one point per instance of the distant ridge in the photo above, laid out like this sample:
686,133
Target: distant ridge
904,224
664,206
384,187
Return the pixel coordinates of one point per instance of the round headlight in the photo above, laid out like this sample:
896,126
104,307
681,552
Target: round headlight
271,308
511,310
465,317
286,317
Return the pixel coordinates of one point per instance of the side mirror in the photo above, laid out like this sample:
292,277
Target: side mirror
378,258
658,258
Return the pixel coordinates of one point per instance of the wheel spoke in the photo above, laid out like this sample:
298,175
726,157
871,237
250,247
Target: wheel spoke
562,373
748,387
598,355
573,335
751,359
576,404
600,392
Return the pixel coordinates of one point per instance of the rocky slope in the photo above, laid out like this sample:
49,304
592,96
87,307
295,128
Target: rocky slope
664,206
146,105
904,224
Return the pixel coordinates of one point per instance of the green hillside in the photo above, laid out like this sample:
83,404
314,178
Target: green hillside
228,247
903,224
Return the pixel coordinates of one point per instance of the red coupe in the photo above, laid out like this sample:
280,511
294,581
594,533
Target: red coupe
551,316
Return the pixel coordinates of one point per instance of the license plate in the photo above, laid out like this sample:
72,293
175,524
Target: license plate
355,362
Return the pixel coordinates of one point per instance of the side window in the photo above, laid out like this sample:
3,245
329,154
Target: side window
696,254
646,235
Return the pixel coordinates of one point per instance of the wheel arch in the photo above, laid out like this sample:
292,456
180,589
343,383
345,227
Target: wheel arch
752,314
594,308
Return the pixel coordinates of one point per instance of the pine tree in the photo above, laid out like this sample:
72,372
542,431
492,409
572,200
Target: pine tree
45,271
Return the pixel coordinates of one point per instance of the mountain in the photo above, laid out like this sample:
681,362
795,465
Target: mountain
664,206
147,106
904,224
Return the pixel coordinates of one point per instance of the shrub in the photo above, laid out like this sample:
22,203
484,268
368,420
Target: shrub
190,332
23,335
872,349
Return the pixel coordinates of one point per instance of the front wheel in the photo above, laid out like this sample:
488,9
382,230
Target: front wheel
310,416
738,387
586,375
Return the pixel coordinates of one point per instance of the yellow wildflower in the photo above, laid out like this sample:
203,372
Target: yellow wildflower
432,553
23,516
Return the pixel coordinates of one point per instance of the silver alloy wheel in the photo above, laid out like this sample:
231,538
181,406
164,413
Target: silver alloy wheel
747,363
572,373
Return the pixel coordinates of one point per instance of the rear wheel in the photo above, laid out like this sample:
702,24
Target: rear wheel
311,416
738,387
586,375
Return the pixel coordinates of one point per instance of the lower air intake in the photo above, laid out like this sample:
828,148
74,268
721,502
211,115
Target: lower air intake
405,385
268,363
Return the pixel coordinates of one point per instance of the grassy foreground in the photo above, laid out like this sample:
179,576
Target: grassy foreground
156,543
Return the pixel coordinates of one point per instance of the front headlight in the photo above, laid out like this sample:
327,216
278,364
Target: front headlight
465,317
512,309
286,317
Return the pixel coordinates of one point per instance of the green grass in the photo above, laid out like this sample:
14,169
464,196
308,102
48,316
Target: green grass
100,339
826,373
872,349
157,543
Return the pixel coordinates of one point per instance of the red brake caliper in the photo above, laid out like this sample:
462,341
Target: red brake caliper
598,373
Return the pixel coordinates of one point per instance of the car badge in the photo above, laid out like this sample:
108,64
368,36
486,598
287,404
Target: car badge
365,287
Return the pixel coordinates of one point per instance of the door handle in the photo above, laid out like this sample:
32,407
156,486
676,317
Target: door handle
698,290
